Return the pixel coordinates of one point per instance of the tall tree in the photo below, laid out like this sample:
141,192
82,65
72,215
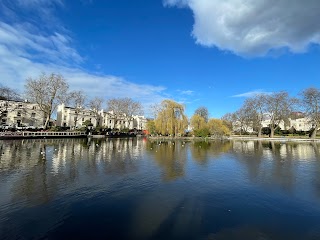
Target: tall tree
203,112
228,120
242,120
124,107
311,104
197,122
218,128
95,106
279,106
171,118
151,127
77,101
48,91
255,108
6,94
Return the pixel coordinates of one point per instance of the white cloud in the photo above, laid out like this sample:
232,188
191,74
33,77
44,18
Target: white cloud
251,93
186,92
254,27
54,47
26,50
17,64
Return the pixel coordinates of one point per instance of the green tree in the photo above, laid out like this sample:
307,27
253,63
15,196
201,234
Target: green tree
171,119
199,126
197,122
151,127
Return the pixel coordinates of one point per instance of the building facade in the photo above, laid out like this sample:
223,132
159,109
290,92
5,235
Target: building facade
21,114
299,124
75,118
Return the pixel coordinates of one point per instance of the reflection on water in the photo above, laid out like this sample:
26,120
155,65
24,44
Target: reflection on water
136,188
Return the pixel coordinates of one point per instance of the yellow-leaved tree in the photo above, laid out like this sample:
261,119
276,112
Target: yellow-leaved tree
218,128
170,118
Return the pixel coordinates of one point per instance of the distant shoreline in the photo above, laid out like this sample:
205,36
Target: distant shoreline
242,138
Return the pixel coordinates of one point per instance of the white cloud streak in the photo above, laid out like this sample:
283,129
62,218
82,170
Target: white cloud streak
251,94
254,28
186,92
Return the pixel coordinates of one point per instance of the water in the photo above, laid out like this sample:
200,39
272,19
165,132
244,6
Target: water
140,189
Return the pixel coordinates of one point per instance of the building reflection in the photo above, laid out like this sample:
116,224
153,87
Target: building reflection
279,164
40,169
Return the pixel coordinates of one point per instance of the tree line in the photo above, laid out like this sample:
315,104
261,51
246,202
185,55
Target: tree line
50,90
170,120
277,107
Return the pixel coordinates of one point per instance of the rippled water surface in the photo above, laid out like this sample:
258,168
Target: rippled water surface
141,189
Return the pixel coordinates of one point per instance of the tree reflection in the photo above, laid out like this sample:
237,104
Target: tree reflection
170,157
202,151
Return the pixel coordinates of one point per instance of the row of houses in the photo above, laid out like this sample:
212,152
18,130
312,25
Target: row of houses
75,118
26,114
299,124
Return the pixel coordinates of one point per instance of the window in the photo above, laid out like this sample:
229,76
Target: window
75,118
19,114
65,118
110,121
5,113
33,115
90,119
34,108
20,106
3,121
82,119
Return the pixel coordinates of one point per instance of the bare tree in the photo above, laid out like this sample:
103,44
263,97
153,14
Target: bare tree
6,94
124,106
48,91
256,109
95,106
77,101
155,109
242,120
202,112
279,106
311,104
228,120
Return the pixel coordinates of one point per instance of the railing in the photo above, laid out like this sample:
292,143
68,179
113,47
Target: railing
53,134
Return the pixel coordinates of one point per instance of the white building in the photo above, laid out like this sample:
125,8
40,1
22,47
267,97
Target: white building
299,124
20,114
75,118
139,122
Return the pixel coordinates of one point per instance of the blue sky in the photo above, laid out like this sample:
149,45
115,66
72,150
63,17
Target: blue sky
198,52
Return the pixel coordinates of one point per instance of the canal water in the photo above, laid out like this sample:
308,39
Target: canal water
142,189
